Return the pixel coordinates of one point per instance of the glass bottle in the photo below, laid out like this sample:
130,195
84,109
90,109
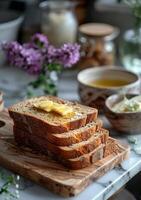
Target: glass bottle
58,21
131,50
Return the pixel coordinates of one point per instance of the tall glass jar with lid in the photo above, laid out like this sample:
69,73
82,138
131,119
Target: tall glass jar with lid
97,44
58,21
131,50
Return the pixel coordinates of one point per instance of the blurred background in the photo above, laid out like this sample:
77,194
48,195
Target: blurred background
25,17
105,11
108,31
118,41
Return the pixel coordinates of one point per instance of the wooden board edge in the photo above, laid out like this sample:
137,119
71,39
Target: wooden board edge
66,190
113,162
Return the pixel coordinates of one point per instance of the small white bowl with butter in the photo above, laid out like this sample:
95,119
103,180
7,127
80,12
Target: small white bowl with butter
124,112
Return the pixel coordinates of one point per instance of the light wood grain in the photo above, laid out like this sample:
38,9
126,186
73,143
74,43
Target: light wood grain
45,171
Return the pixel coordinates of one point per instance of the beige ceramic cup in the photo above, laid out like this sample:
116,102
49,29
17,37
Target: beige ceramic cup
95,96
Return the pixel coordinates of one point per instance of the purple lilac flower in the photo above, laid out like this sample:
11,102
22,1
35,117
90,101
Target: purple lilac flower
68,54
51,54
33,55
32,60
28,59
12,50
28,45
39,41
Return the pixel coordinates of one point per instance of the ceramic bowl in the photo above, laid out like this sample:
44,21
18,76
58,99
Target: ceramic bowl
10,22
124,122
95,96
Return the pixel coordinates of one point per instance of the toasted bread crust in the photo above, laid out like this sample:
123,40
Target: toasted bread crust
86,159
74,163
103,150
35,123
112,147
67,138
76,142
66,152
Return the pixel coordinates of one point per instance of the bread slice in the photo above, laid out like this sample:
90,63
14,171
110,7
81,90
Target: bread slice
50,122
75,136
64,152
112,147
85,160
75,163
70,137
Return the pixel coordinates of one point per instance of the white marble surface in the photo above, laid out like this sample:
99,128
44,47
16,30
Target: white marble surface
104,187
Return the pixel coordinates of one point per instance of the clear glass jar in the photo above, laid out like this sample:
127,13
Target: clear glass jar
131,50
59,22
97,44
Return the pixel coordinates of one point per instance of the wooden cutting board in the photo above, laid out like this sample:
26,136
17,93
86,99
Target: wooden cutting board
45,171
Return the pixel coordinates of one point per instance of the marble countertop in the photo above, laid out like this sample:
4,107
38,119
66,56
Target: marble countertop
105,186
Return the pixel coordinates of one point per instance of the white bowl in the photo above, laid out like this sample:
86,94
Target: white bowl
10,22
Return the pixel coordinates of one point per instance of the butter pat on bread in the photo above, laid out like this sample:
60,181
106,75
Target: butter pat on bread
49,122
50,106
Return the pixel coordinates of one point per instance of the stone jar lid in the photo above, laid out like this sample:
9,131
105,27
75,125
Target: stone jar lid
98,30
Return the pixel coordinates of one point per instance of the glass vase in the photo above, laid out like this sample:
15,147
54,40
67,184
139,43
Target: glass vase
43,85
131,50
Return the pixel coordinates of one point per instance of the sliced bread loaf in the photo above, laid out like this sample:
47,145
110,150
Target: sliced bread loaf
70,137
75,163
112,147
50,122
85,160
65,152
75,136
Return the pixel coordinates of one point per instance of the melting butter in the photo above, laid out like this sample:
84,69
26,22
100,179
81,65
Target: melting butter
50,106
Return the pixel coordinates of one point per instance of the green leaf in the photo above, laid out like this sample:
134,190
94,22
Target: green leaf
45,83
5,188
50,87
54,67
39,43
41,80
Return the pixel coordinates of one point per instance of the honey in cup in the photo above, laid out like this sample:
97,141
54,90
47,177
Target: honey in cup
98,83
108,83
